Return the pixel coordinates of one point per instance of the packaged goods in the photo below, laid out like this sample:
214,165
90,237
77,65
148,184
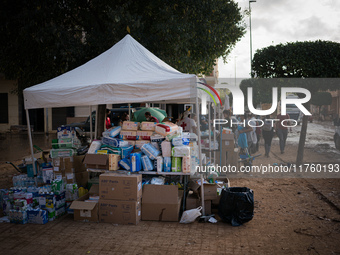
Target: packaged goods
166,128
148,126
174,134
159,164
125,163
136,162
167,164
150,151
113,162
140,143
47,174
192,137
114,131
186,164
58,186
157,181
115,142
66,132
128,135
144,135
180,141
131,143
147,164
17,216
176,164
37,216
130,125
156,145
157,138
95,145
56,153
102,152
71,192
166,149
181,151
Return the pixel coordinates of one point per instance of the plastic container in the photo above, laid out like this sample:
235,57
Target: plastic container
57,153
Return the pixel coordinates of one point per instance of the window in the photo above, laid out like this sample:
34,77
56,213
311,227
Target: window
3,107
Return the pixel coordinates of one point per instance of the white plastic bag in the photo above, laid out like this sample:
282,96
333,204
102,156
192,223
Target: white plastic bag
190,216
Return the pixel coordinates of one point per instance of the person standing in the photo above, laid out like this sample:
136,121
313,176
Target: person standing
107,119
267,134
251,136
282,131
188,123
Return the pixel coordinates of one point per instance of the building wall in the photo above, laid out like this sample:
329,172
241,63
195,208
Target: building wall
7,86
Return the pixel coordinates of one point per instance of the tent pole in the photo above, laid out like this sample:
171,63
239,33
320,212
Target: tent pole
95,123
219,116
31,146
90,109
200,151
214,128
209,116
129,111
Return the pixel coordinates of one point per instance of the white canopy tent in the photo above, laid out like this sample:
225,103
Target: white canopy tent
126,73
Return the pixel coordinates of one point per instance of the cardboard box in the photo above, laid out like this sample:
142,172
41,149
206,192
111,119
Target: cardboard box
210,191
78,164
193,201
119,212
86,211
96,161
113,162
161,202
228,157
228,137
82,178
70,178
120,186
68,164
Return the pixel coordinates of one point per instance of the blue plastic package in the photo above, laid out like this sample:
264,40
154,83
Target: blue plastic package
136,162
146,163
115,142
125,163
150,151
167,164
126,150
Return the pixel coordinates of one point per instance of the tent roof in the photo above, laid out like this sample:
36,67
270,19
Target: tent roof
126,73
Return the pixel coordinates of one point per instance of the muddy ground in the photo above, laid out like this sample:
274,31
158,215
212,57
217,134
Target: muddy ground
292,216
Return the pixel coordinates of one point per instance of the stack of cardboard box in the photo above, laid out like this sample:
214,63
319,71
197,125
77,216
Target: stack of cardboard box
229,156
194,196
120,198
70,168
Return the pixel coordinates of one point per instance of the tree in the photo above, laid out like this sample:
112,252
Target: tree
306,60
45,38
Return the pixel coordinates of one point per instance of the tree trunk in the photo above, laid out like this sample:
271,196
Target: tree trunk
302,140
101,120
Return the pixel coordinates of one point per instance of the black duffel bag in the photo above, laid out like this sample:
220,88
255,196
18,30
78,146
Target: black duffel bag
236,205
